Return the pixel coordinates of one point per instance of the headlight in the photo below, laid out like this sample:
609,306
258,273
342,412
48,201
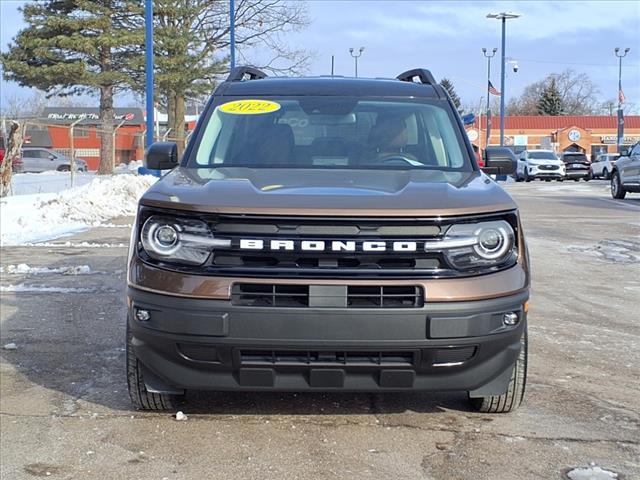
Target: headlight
472,245
179,240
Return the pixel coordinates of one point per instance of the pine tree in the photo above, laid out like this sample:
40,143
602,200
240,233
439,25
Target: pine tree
448,86
550,102
75,47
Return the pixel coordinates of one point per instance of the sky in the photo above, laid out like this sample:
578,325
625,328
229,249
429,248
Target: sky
447,37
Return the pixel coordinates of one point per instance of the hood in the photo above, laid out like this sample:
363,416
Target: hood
328,192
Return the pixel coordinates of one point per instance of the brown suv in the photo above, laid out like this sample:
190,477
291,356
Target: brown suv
328,234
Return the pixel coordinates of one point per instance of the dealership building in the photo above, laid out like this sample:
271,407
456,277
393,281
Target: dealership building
592,135
52,131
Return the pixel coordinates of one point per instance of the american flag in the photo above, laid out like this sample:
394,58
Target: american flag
492,90
621,96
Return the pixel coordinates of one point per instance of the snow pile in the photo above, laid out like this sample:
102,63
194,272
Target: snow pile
24,269
35,218
43,289
131,167
591,473
49,181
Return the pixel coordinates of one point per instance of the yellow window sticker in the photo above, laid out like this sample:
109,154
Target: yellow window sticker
249,107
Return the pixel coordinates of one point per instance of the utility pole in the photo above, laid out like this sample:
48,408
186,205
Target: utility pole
503,16
488,56
620,56
356,56
148,26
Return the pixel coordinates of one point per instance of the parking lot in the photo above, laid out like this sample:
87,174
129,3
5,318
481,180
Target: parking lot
66,414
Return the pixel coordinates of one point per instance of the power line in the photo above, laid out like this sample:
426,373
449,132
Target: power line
574,63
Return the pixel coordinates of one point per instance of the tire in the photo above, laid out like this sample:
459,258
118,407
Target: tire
63,168
527,178
141,398
606,175
560,179
617,190
512,398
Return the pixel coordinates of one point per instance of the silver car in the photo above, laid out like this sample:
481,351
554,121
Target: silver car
626,173
36,159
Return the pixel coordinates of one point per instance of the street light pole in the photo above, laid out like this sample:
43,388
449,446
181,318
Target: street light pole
148,25
620,56
356,56
232,32
488,56
503,16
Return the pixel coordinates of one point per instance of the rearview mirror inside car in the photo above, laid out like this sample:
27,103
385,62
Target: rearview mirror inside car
499,161
161,156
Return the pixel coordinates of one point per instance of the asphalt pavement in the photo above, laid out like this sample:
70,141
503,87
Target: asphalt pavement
65,412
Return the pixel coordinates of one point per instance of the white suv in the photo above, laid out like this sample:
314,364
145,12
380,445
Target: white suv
543,164
603,165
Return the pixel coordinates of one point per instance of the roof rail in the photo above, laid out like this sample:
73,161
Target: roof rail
237,74
423,74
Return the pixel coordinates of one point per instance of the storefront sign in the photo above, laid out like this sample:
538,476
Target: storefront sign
612,140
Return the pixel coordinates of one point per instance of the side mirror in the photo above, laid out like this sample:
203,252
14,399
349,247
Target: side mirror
499,161
625,152
161,156
52,157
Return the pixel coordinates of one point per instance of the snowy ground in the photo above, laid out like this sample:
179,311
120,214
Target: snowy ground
45,216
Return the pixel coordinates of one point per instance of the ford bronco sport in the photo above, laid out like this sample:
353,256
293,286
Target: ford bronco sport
328,234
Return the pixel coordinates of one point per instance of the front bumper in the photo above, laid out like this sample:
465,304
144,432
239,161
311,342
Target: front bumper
213,345
577,173
545,171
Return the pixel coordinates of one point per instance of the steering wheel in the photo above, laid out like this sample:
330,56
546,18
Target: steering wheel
398,159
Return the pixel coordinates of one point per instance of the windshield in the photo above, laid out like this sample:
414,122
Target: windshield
543,155
331,132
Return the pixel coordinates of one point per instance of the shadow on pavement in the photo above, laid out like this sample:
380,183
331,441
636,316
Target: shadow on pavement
73,343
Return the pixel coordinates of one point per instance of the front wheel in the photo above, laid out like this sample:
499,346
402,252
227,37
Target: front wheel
63,168
512,398
617,190
527,178
605,174
142,398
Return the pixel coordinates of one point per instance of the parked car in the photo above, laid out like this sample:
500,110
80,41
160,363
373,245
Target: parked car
35,159
626,173
577,166
542,164
360,248
603,165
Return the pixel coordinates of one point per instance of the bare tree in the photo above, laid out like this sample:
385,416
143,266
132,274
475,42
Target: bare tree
19,106
578,94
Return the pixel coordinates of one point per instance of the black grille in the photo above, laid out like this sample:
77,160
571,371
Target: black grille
384,297
266,295
327,357
548,167
349,296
